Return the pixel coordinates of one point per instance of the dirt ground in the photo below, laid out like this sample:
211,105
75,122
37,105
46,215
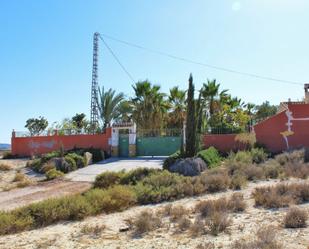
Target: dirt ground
12,196
68,235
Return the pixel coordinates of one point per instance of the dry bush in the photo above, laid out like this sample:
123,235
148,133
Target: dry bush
218,222
19,177
5,167
207,245
254,173
295,156
238,181
295,218
183,224
216,181
236,203
145,222
178,212
24,183
281,195
94,231
297,170
265,239
272,169
166,210
198,227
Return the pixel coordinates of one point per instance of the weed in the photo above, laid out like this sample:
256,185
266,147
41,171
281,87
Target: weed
218,222
5,167
295,218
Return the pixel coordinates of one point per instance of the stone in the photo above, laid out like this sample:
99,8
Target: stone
88,158
189,166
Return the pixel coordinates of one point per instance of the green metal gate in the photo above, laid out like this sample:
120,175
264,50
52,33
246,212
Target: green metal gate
123,145
157,146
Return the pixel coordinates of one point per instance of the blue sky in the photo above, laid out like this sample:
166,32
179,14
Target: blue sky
46,50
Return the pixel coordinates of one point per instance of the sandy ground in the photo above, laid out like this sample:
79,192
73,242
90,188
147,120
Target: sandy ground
12,197
70,234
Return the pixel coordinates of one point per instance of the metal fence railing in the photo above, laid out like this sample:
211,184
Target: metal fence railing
159,132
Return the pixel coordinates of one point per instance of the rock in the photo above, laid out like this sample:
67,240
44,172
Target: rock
189,166
124,229
61,164
88,158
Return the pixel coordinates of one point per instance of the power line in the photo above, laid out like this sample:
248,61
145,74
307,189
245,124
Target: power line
118,61
200,63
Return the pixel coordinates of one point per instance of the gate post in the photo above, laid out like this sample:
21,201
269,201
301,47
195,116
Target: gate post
132,141
115,142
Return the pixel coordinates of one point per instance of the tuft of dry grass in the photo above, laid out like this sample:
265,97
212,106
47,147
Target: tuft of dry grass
281,195
144,222
19,177
295,218
218,222
93,231
5,167
183,224
198,227
265,239
207,245
178,212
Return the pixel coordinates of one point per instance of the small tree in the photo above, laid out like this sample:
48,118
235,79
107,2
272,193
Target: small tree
79,120
191,124
36,125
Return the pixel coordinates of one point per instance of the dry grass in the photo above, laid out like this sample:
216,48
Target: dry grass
5,167
198,227
295,218
207,245
144,222
281,195
218,222
265,239
19,177
93,231
235,203
183,224
178,212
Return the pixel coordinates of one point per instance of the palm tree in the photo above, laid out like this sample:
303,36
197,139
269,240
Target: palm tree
209,92
149,105
108,104
177,101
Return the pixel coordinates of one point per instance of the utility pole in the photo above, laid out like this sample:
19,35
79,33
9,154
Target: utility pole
94,115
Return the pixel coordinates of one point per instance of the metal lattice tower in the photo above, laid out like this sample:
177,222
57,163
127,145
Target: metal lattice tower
94,115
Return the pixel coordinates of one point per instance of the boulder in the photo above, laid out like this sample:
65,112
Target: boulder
189,166
88,158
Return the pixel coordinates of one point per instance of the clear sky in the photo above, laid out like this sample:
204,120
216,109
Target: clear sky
46,50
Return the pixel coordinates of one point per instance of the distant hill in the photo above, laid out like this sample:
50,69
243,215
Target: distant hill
5,146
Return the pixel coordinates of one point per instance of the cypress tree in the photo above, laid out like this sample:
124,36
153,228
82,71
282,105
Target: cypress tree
190,121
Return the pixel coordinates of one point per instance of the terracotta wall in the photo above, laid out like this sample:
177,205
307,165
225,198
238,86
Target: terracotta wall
28,146
268,132
222,142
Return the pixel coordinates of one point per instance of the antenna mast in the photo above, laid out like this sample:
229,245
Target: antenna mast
94,85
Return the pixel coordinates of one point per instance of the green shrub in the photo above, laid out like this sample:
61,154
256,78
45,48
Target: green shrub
97,154
258,155
108,179
35,164
9,155
210,156
133,176
79,160
241,156
10,223
70,160
171,160
53,174
46,157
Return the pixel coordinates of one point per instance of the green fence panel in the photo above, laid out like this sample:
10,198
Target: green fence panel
123,146
157,146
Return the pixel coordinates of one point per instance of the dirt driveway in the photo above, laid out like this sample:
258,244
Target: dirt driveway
52,189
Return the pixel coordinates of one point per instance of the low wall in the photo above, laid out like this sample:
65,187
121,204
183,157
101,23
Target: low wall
222,142
29,146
